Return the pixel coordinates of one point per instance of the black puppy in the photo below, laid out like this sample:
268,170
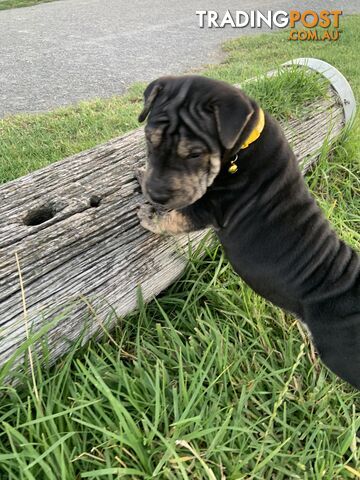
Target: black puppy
215,159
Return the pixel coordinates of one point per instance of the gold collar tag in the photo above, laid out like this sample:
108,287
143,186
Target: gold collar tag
253,136
233,167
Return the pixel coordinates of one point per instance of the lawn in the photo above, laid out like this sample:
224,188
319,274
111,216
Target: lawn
209,381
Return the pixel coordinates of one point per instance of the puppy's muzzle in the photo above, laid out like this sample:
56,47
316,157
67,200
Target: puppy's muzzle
157,191
158,196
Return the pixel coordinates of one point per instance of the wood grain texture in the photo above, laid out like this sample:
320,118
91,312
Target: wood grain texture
91,254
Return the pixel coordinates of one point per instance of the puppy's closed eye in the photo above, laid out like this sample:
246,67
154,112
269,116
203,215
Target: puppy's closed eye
195,154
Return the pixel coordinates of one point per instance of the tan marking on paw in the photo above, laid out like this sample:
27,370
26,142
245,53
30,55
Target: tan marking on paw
171,223
175,222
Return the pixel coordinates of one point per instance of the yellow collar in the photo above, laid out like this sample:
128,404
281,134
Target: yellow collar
253,136
256,132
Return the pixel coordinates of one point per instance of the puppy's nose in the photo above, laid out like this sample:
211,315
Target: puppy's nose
160,197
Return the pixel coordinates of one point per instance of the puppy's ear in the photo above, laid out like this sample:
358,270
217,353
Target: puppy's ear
232,114
150,94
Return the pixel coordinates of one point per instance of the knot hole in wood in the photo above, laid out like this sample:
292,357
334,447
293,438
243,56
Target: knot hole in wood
40,215
95,201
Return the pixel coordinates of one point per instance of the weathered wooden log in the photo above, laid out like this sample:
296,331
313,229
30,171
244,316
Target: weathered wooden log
71,244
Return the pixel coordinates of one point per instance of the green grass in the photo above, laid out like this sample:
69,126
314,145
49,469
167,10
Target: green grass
290,93
27,141
7,4
209,381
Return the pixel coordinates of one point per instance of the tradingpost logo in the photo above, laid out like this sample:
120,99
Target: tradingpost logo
307,25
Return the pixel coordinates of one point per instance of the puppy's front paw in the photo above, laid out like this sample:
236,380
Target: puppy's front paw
150,218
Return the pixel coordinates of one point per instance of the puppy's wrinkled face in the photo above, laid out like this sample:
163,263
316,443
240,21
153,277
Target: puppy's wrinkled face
187,133
180,167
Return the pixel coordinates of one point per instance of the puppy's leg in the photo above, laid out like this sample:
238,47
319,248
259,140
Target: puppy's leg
170,222
337,339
